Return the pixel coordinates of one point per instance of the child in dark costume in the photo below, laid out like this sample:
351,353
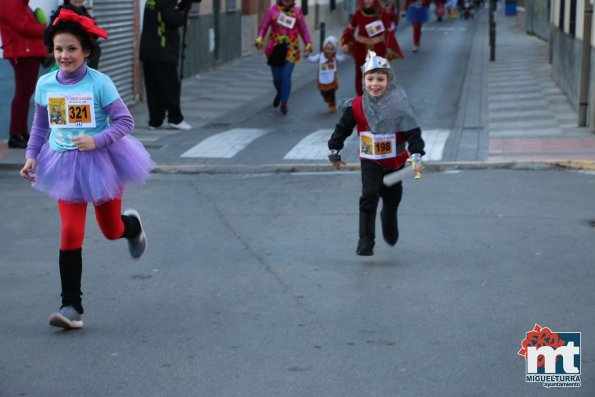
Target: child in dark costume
388,132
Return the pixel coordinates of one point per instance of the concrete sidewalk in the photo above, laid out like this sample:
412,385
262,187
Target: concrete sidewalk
511,111
529,117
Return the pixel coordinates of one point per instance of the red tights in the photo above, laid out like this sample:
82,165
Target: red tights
416,34
73,217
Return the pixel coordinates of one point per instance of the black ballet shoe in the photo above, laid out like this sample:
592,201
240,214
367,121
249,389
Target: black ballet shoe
17,142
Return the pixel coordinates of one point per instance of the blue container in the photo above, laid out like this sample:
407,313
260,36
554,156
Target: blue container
510,9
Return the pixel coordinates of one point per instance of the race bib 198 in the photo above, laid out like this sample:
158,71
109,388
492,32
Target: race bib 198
71,110
377,146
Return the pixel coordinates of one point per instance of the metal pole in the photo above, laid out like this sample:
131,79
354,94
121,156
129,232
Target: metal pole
585,66
492,30
183,54
322,34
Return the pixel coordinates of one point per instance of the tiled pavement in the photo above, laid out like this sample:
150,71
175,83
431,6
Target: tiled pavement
530,119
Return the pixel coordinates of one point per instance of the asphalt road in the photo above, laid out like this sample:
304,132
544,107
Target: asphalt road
433,79
250,287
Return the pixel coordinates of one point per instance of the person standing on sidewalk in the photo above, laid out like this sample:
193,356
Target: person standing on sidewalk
417,14
160,54
22,44
374,32
287,23
80,151
386,124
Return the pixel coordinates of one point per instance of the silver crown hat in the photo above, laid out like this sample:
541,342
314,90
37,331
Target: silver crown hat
374,61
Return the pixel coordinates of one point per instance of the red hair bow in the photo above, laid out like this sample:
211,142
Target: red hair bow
87,23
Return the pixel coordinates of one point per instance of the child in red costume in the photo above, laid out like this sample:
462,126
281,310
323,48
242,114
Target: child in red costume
369,29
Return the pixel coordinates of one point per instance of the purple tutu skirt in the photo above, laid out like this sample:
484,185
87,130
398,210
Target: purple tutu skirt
92,176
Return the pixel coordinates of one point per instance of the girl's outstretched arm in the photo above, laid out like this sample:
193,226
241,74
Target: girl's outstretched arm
39,133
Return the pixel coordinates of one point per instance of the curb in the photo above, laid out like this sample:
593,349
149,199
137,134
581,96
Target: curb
222,169
323,167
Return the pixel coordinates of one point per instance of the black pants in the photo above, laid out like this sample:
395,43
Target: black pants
329,96
163,92
373,189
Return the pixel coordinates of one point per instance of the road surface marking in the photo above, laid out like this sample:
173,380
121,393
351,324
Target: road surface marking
225,144
435,141
313,147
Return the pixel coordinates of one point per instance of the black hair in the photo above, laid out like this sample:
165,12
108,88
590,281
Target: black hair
287,7
88,41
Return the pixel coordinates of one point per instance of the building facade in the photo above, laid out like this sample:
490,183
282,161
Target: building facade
570,35
217,31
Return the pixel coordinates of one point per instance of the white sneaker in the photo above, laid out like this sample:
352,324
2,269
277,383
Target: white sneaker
182,125
67,318
415,48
